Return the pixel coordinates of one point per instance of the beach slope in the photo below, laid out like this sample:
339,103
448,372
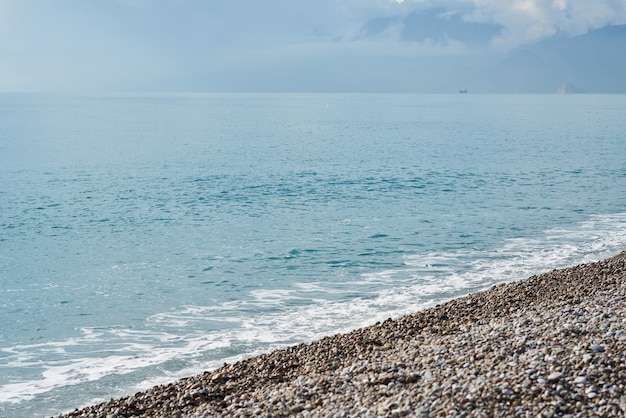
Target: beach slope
550,345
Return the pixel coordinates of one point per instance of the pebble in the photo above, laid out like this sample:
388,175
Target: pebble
554,376
580,380
550,345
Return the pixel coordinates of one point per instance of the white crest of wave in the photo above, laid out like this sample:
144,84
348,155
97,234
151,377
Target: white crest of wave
273,318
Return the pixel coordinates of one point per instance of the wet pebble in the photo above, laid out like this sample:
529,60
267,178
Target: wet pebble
551,345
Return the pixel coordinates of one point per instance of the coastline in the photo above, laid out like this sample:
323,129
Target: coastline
553,344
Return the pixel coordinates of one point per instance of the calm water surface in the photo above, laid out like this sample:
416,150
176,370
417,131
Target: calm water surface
149,237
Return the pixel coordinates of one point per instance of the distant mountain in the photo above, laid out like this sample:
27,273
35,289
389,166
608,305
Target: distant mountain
523,71
569,89
594,62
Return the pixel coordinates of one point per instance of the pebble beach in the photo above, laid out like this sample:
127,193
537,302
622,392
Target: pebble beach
552,345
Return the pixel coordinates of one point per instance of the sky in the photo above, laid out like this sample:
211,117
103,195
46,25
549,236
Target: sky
282,45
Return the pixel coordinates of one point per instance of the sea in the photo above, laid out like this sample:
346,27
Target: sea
149,237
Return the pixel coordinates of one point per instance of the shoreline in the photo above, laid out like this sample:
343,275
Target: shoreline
553,344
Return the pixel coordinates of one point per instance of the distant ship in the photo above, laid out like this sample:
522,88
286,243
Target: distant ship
464,91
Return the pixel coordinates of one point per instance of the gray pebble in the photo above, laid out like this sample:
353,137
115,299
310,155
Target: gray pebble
597,348
500,352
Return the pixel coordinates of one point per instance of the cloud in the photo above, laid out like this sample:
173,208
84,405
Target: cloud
527,21
532,20
124,43
515,22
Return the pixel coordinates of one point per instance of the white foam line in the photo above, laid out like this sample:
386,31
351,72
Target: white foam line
427,279
88,369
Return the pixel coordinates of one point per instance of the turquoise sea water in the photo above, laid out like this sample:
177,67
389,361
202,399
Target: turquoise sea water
149,237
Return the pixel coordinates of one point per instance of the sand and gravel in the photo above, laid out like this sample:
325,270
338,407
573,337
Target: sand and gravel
552,345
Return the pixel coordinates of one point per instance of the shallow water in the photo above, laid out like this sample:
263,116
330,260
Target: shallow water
149,237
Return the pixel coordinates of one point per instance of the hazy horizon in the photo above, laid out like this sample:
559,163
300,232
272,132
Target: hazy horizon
310,46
